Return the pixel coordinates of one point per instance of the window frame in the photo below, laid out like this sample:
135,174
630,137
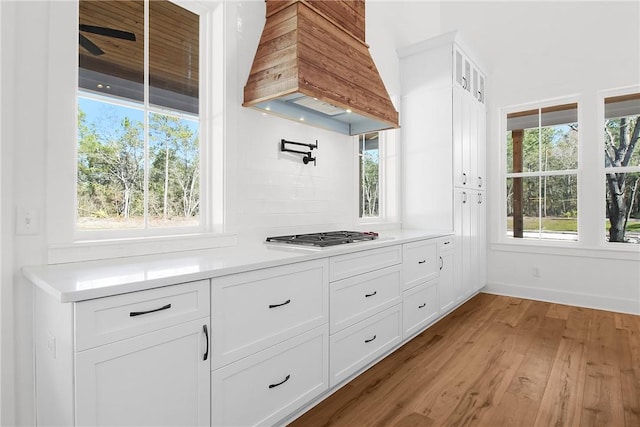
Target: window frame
388,181
65,242
503,238
603,170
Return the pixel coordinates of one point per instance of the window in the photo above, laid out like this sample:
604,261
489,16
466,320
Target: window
138,152
622,168
369,175
541,176
138,98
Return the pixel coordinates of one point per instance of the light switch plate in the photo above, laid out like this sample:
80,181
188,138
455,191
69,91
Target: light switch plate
27,221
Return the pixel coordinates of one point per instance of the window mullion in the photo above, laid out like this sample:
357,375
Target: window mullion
146,115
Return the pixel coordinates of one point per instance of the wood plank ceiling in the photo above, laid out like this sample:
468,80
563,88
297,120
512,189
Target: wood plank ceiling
173,43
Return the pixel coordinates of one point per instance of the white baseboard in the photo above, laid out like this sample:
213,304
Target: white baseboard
599,302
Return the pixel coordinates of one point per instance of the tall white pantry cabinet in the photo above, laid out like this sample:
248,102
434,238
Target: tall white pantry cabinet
443,124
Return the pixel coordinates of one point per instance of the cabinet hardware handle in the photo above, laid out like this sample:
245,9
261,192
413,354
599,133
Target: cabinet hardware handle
441,263
279,305
479,198
464,82
447,242
370,295
281,382
423,305
206,334
479,182
464,197
422,262
371,339
464,179
140,313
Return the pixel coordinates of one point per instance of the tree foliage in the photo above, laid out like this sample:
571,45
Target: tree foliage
621,150
369,189
553,148
111,168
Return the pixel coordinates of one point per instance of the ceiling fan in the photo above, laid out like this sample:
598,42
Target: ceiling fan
103,31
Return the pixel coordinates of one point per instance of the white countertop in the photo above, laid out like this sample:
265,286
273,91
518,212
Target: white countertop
95,279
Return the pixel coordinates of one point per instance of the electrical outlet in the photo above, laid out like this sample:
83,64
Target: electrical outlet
27,221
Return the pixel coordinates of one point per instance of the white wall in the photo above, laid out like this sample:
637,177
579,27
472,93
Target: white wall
541,50
267,192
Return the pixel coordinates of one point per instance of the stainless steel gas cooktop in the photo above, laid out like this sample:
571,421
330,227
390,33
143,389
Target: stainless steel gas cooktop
329,238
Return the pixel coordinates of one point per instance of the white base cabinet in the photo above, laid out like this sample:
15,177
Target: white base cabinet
157,379
447,288
264,388
140,358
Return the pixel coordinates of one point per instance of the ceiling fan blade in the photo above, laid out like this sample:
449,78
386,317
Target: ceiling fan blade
109,32
90,46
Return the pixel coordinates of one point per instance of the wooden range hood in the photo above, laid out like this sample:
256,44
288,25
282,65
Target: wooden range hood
313,65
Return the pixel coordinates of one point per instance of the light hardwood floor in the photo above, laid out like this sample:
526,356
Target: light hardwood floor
501,361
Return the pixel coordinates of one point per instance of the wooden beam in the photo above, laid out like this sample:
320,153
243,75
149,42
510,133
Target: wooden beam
517,136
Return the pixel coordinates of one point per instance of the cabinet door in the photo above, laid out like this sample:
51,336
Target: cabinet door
465,138
480,146
159,378
481,238
446,295
460,143
462,228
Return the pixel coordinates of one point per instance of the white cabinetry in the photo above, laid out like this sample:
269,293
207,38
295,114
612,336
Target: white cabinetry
366,309
446,292
420,298
140,358
444,147
271,349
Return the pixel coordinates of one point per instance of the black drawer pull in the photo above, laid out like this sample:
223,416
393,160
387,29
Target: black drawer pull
279,305
422,262
281,382
371,339
447,242
206,334
370,295
441,263
140,313
423,305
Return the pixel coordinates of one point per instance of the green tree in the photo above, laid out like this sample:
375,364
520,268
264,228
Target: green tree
621,141
175,167
110,169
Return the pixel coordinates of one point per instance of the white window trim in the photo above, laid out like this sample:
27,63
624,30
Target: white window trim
603,170
591,246
388,181
64,244
500,235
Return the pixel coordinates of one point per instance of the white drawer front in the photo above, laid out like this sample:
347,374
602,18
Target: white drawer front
360,344
356,298
420,307
254,310
420,262
446,244
106,320
266,387
343,266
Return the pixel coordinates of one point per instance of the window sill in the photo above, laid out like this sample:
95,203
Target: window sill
615,251
126,247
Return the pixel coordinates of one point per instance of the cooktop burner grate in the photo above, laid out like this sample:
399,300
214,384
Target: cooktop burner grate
329,238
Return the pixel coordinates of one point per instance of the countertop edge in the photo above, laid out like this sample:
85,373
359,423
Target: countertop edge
53,278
